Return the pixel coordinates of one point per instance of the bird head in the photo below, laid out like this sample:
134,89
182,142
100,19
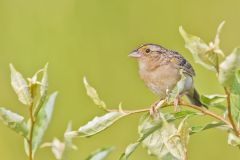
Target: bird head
147,51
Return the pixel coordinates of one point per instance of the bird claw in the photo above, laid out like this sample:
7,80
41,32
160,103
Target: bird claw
154,108
176,104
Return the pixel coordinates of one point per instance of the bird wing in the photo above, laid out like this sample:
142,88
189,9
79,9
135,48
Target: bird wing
182,63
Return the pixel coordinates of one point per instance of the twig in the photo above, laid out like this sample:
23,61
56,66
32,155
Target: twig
31,131
201,109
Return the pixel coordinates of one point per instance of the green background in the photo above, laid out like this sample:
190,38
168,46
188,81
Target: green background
92,38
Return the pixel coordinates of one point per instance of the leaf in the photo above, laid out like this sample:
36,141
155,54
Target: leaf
92,93
197,129
96,125
100,154
170,117
61,149
179,88
44,82
14,121
235,105
20,86
42,121
233,140
162,140
57,148
181,114
43,90
214,100
216,43
229,67
198,48
183,133
129,150
68,143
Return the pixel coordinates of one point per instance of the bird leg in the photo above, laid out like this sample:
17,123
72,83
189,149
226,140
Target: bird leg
175,104
154,107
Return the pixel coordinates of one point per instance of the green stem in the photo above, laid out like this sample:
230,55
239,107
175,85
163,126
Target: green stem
32,121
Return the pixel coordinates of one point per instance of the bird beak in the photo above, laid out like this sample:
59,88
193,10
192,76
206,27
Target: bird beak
134,54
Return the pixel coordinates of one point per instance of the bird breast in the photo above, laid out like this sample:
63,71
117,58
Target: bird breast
161,79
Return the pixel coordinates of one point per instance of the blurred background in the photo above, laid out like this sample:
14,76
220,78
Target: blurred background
92,38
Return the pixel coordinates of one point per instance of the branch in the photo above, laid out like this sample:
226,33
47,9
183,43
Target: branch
200,109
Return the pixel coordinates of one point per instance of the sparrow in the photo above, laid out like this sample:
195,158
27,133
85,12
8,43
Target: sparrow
160,69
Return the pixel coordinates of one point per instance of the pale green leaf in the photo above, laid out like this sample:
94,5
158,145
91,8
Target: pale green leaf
92,93
157,125
229,67
179,88
43,90
42,120
216,43
57,148
100,154
97,125
163,139
14,121
199,49
68,143
183,133
129,150
197,129
20,86
44,82
235,105
61,149
233,140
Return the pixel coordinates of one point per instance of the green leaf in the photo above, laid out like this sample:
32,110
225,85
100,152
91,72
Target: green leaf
57,148
233,140
235,105
61,149
183,133
215,45
96,125
100,154
129,150
179,88
229,67
163,139
14,121
20,86
42,121
44,82
92,93
197,129
181,114
199,50
214,100
68,143
43,90
170,117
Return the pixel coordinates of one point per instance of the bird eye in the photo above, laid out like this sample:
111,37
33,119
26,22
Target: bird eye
147,50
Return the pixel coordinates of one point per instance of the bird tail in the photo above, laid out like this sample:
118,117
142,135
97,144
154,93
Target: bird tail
195,99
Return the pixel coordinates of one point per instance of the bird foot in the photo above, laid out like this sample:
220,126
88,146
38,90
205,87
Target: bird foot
154,108
176,103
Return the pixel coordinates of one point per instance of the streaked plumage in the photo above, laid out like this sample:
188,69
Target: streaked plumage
160,69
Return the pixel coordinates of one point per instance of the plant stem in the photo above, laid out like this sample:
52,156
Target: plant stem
201,109
229,111
32,121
